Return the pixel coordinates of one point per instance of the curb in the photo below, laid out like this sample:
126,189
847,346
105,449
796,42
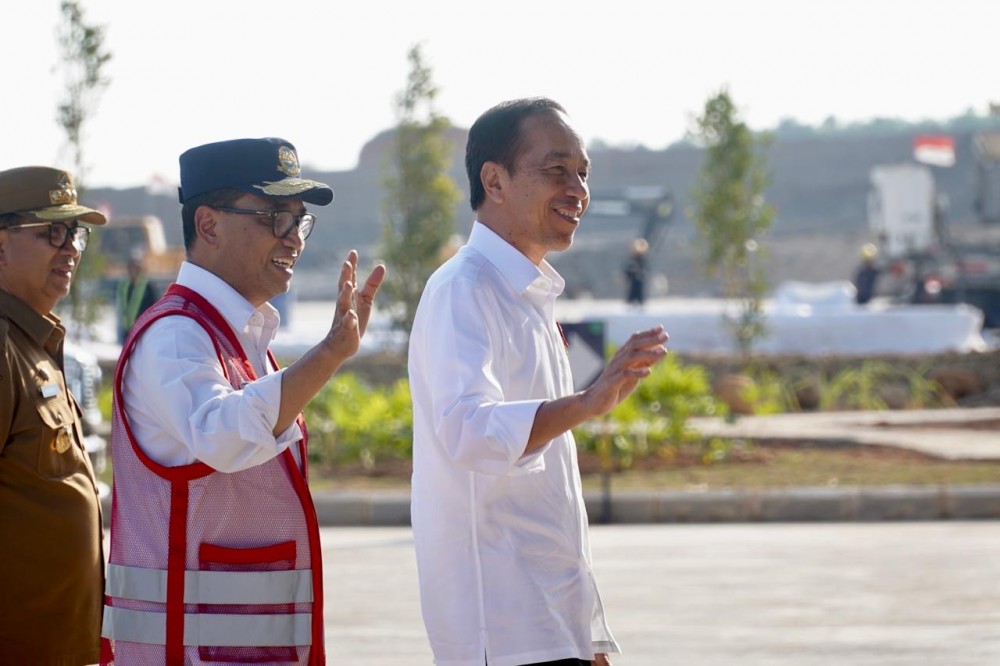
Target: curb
807,505
854,504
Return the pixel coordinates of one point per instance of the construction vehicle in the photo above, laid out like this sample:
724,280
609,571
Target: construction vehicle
922,259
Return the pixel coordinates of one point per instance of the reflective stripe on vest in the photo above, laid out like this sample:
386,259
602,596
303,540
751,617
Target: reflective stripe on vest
205,629
213,587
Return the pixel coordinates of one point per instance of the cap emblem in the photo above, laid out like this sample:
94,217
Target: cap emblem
64,195
288,162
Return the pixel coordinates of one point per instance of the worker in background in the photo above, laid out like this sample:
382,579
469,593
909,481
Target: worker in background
635,273
135,294
867,274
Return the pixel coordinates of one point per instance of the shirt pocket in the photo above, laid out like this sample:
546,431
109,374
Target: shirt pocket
59,452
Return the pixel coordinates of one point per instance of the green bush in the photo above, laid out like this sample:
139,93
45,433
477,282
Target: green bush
105,397
654,419
352,422
873,385
770,393
349,421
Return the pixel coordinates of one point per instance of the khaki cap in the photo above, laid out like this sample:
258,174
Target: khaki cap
44,194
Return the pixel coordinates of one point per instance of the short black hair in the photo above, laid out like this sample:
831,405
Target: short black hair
223,197
496,137
9,220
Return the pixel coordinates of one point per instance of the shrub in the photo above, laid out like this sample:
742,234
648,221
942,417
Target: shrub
349,421
877,385
654,419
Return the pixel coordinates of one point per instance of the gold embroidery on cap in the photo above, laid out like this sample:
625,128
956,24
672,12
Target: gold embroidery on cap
288,162
64,195
287,187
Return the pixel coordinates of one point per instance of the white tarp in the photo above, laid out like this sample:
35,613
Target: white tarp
811,319
802,318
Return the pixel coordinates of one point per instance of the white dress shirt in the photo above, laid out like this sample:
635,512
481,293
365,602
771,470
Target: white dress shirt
179,403
501,538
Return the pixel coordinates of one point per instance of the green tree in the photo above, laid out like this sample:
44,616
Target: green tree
420,196
83,58
731,213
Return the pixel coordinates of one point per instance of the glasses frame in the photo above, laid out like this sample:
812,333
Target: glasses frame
297,219
78,234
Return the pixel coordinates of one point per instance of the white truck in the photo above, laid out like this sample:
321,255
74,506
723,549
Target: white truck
922,262
902,209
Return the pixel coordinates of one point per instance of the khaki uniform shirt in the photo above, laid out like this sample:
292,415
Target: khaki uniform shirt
51,557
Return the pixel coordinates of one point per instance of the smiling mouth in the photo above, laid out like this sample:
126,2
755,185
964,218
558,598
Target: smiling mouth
570,215
283,263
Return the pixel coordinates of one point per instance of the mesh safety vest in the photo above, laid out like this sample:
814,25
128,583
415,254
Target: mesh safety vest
204,566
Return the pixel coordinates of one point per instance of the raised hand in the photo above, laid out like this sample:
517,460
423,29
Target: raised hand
354,308
633,361
305,377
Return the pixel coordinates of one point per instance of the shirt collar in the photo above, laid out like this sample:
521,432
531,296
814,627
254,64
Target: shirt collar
46,330
231,305
516,268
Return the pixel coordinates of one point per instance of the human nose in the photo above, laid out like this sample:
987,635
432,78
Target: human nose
577,187
70,249
74,243
294,238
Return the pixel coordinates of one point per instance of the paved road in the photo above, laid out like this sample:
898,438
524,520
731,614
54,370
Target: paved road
891,594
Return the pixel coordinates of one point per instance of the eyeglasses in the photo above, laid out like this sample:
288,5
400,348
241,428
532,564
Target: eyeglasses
61,234
282,221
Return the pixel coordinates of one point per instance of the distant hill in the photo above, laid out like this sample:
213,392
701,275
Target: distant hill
819,189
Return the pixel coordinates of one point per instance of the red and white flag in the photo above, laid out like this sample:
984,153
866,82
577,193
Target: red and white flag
936,150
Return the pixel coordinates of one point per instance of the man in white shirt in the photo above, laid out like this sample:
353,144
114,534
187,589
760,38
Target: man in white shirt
214,538
499,522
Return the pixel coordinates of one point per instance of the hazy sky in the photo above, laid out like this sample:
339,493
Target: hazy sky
324,73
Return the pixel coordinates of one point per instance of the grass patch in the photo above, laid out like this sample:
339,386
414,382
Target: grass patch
805,465
760,465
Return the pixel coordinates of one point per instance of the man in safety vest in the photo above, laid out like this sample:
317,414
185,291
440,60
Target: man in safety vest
135,295
215,553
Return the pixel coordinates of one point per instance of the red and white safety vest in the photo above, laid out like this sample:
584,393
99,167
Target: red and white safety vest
207,566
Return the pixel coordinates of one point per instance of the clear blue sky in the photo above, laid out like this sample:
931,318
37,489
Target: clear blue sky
324,73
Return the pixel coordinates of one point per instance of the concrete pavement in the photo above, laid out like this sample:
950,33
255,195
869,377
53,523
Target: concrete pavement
941,433
887,594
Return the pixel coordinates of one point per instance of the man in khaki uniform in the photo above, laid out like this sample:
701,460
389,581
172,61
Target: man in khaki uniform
51,560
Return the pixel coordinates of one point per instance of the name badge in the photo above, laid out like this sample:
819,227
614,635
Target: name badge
49,390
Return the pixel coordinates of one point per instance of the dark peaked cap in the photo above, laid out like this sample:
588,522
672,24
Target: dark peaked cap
265,167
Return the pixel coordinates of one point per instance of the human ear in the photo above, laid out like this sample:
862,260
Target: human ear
205,225
493,176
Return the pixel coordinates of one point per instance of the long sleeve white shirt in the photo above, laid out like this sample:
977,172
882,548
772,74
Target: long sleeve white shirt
501,538
179,403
